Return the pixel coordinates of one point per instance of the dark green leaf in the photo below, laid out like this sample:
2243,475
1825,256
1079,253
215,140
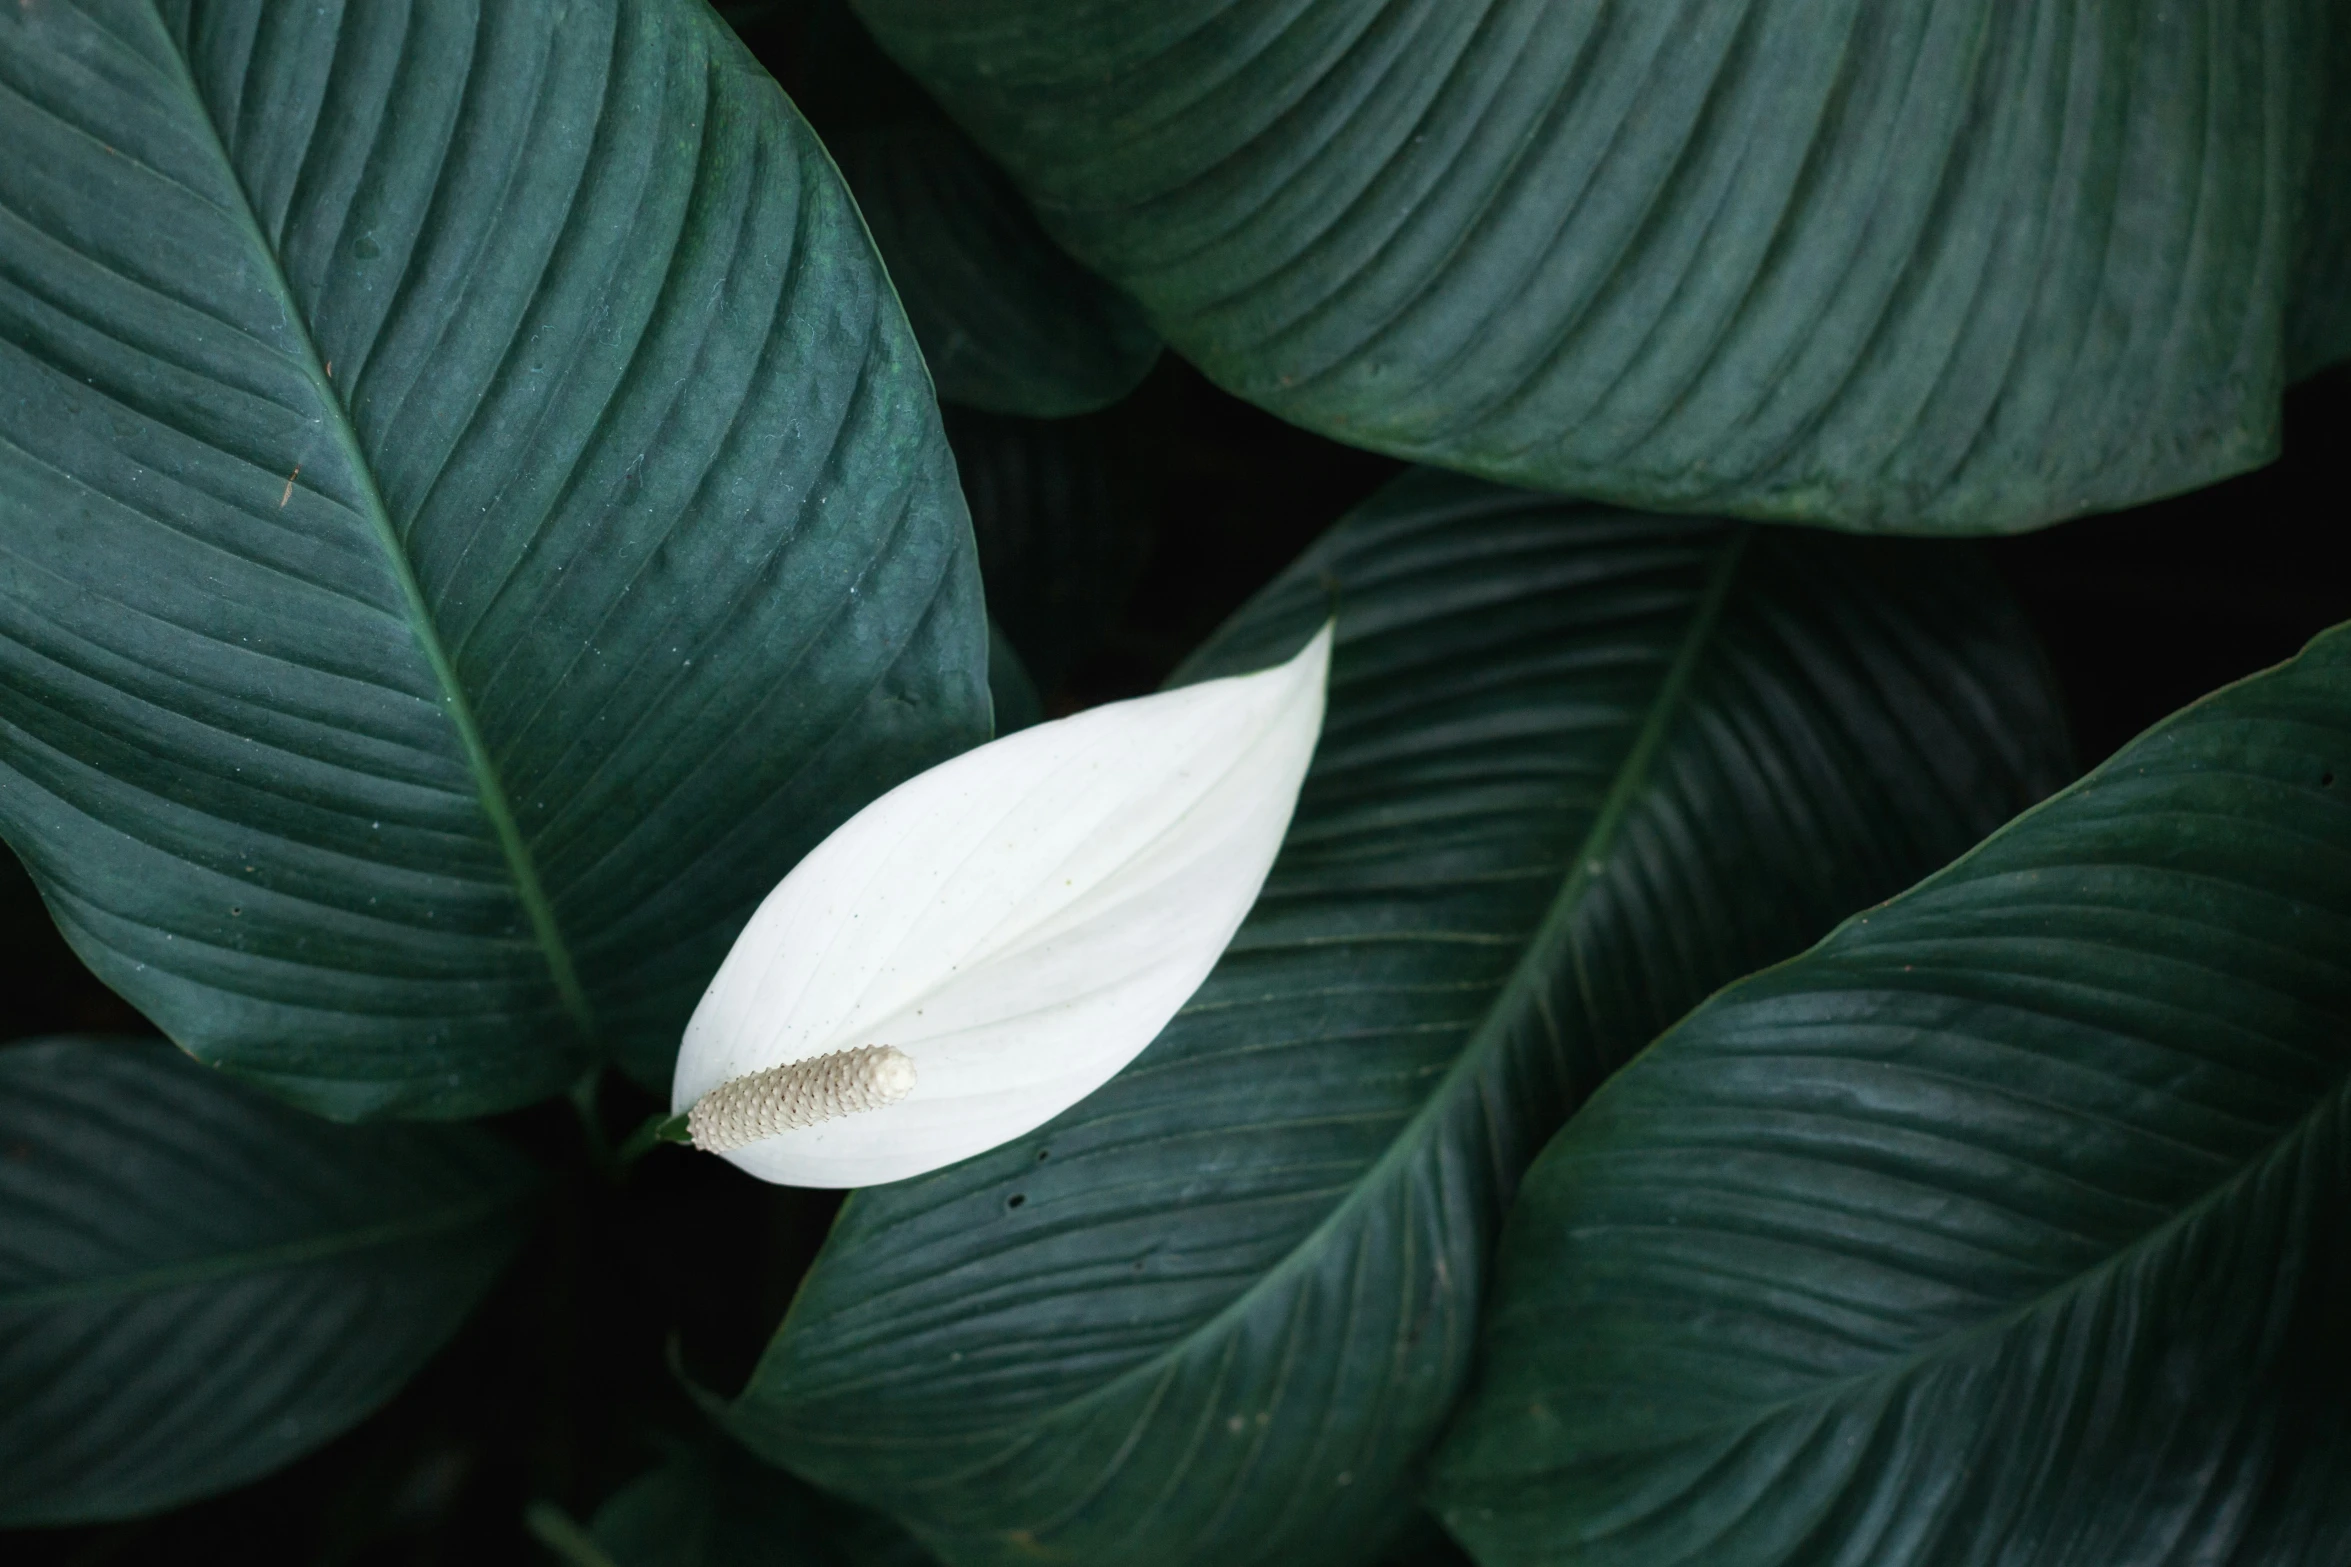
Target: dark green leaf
1581,766
2318,328
1007,321
563,1536
1061,538
198,1284
2010,1224
711,1506
1918,265
471,517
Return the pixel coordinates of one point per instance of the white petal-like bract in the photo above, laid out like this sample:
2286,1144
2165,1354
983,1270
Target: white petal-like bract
1019,922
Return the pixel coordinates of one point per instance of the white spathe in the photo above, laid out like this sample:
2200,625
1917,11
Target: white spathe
1020,921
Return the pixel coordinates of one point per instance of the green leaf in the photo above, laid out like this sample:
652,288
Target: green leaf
1008,322
563,1537
1580,767
471,517
1063,533
2011,1223
198,1285
1915,265
710,1506
2318,327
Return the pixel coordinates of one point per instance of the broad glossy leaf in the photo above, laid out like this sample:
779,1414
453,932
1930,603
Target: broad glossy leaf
991,941
2012,1223
1581,766
471,516
198,1285
1063,533
1918,265
1007,321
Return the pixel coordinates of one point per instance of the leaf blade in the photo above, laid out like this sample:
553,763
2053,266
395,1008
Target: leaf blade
1219,1307
2054,1146
1008,322
423,431
198,1285
1818,262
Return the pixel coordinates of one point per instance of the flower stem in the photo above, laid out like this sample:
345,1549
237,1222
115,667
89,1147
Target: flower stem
657,1128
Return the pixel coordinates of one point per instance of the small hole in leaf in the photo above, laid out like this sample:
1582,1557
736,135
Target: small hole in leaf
2326,780
1044,1154
1015,1200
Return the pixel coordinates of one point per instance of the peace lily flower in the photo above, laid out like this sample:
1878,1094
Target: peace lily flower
989,942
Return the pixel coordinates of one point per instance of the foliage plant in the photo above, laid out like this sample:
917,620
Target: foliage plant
1314,686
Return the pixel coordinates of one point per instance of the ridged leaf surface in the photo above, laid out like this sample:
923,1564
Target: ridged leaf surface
2012,1223
1007,321
198,1285
1580,767
471,515
1919,265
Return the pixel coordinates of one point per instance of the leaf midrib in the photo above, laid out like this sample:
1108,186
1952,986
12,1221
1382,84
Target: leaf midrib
1524,981
259,1259
490,789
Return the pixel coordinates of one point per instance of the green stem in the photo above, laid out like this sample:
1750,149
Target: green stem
658,1128
561,1533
